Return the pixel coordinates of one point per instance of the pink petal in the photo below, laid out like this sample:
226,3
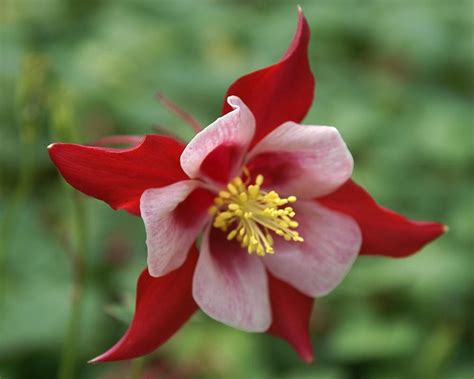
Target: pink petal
119,176
281,92
163,305
230,285
216,153
173,216
384,232
316,266
302,160
291,311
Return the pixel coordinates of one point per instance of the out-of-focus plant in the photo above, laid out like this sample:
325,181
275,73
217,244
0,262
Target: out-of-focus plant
31,113
396,79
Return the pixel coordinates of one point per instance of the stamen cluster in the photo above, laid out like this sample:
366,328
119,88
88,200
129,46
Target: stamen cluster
249,214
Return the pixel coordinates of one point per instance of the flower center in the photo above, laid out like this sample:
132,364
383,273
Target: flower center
249,214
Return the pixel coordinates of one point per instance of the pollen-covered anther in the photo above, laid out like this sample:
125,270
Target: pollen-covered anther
248,214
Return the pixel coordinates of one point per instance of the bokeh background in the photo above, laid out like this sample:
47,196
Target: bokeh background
396,77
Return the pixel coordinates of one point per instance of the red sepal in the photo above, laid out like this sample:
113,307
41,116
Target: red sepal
384,232
291,312
119,176
163,305
281,92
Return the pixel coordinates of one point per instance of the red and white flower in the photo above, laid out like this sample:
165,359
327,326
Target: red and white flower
282,221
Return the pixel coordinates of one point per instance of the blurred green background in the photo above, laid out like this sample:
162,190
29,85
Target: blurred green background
396,77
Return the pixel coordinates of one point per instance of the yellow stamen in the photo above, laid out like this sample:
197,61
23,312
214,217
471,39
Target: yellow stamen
252,214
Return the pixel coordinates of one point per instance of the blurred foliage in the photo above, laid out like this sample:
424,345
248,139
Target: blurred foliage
396,77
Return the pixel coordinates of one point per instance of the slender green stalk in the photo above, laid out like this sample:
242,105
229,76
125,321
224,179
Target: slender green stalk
71,341
437,349
30,111
62,129
22,190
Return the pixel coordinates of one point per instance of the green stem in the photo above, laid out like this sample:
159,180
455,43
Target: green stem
9,217
71,342
29,111
21,193
62,129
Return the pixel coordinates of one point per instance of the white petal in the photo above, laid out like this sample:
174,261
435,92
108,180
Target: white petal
231,134
230,285
316,266
170,230
302,160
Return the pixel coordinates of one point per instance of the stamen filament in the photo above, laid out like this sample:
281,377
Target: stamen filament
252,214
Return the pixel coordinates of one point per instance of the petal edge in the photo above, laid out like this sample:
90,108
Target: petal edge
291,315
154,323
384,232
119,176
270,93
216,153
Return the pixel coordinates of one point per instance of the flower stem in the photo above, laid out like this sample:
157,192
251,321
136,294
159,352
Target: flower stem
62,129
69,352
30,109
22,190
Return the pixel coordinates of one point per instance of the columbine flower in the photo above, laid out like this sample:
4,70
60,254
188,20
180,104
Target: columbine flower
282,221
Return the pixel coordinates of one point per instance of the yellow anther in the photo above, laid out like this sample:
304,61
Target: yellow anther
253,190
224,194
238,181
252,215
232,234
225,215
233,206
272,195
283,224
232,189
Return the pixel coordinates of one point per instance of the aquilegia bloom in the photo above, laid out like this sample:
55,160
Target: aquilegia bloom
281,220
